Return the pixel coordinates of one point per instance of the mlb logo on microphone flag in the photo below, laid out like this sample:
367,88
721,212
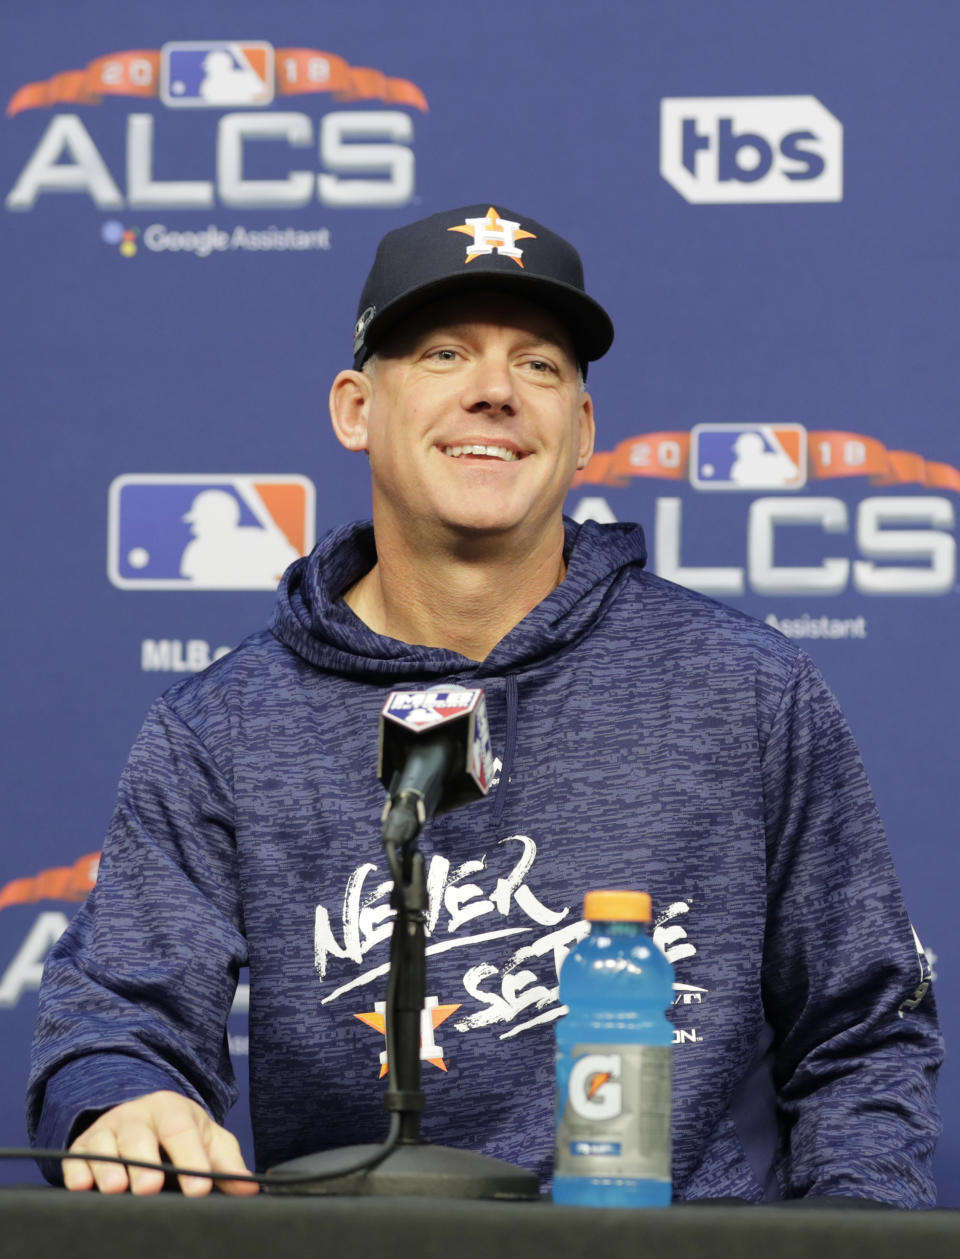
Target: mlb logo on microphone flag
423,711
207,532
216,74
420,710
748,456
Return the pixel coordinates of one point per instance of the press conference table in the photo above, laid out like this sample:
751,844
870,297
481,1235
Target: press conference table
38,1222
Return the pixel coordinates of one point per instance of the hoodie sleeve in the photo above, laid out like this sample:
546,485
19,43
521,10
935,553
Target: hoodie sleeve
136,993
857,1045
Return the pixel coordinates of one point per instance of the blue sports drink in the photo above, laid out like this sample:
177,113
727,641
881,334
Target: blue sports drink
614,1061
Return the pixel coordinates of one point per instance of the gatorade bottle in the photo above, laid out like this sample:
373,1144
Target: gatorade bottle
614,1061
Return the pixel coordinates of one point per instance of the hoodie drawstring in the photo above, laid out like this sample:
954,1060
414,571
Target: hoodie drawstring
509,748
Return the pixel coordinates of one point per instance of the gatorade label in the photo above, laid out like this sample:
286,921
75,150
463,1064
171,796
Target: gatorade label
613,1112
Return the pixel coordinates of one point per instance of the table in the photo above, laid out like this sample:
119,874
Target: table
50,1223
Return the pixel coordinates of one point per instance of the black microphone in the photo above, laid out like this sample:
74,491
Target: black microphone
434,756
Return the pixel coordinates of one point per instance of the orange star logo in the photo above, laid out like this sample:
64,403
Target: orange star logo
493,233
431,1016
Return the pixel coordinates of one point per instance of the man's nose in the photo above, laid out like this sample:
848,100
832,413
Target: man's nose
490,387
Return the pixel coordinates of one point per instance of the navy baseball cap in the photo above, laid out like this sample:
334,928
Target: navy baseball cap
472,248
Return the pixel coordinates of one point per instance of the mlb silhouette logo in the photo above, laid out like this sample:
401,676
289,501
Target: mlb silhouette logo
216,74
748,456
207,532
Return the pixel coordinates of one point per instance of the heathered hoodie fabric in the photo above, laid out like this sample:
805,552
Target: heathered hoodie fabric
649,738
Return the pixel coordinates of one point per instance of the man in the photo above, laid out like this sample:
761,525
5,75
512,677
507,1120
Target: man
648,737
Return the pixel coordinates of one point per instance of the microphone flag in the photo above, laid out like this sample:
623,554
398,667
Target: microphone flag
410,719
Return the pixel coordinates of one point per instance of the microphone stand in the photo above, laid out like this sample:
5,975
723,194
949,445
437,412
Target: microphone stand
413,1166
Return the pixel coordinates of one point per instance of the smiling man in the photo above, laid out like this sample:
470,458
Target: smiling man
647,736
475,419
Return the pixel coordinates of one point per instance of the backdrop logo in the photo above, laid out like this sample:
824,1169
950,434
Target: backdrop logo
124,238
365,155
902,543
207,532
214,74
748,456
205,242
719,149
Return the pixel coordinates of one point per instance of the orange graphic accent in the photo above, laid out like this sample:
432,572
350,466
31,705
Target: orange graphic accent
137,73
597,1082
649,454
287,505
438,1014
257,60
491,222
310,70
134,73
830,454
834,454
790,441
62,883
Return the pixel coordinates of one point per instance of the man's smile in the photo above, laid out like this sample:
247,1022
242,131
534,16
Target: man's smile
485,451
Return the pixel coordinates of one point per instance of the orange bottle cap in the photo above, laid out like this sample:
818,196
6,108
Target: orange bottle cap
617,906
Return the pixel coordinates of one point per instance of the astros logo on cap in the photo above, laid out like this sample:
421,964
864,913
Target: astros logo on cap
493,233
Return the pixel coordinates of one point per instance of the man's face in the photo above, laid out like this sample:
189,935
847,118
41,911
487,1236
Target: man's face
476,421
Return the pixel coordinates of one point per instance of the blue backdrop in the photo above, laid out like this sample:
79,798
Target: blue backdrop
765,198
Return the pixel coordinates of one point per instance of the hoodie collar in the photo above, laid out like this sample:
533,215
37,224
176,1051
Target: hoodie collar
312,619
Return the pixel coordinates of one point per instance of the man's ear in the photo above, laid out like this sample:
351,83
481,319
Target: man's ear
588,431
350,396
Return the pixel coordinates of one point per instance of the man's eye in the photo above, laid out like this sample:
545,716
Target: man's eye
540,365
445,356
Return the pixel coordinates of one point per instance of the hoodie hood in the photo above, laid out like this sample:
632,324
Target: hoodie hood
312,619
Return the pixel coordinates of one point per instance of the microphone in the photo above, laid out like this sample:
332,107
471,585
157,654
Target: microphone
434,756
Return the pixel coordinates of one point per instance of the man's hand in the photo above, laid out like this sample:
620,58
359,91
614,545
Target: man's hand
141,1129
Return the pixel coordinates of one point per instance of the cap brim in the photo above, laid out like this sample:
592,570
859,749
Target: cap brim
589,325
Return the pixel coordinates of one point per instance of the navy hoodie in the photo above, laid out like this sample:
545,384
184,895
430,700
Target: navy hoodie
647,737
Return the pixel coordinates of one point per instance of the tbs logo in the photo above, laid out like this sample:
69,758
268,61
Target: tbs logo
762,149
